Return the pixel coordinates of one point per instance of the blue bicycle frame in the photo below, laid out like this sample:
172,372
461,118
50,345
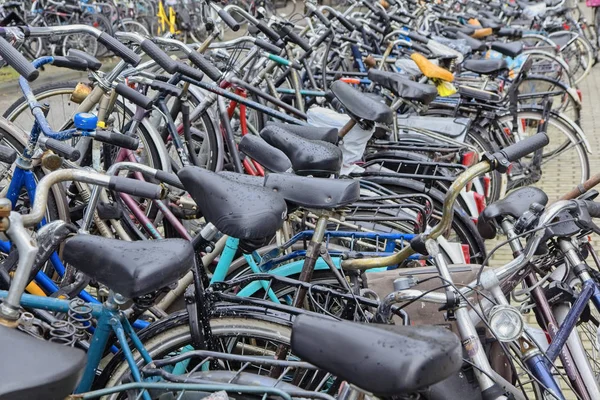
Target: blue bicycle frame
273,265
24,178
109,320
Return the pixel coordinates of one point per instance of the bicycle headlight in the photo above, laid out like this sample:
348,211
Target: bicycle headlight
506,323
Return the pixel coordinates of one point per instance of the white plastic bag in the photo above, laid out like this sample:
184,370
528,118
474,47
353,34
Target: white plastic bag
354,143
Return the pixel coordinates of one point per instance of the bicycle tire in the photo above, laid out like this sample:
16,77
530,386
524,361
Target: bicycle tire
173,333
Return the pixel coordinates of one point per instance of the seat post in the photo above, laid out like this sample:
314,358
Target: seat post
312,254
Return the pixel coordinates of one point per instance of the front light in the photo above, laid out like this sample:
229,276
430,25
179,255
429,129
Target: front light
506,323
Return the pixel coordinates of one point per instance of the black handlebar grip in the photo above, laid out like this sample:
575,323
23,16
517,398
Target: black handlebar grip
368,49
322,18
63,150
323,37
134,96
93,63
117,139
7,155
294,37
166,88
370,6
190,72
205,66
526,146
266,29
271,48
593,208
134,187
72,62
347,24
418,38
421,49
169,178
120,49
376,28
16,60
229,20
159,56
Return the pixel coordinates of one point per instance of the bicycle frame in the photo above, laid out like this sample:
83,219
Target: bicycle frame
110,320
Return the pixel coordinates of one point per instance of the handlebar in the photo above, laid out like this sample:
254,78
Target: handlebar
495,161
125,185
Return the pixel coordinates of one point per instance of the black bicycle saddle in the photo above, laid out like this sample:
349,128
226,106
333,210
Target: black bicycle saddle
359,106
308,157
236,209
386,360
35,369
131,269
403,87
485,67
515,204
511,49
309,192
309,132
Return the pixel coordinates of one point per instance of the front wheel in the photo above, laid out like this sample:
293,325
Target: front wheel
169,337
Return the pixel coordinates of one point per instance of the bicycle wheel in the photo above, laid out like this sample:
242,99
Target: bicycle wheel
550,65
535,88
129,25
576,52
565,159
233,334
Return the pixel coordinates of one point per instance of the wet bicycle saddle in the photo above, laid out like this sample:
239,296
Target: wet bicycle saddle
485,67
131,269
515,204
511,49
359,106
385,360
35,369
403,87
309,132
474,44
316,193
308,157
236,209
268,156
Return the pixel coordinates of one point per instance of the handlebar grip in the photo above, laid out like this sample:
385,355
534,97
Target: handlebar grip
421,49
370,6
229,20
190,72
417,38
93,63
16,60
63,150
347,24
119,49
72,62
271,48
593,208
205,66
166,88
134,96
134,187
169,178
376,28
117,139
525,147
161,58
321,17
7,154
294,37
323,37
266,29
